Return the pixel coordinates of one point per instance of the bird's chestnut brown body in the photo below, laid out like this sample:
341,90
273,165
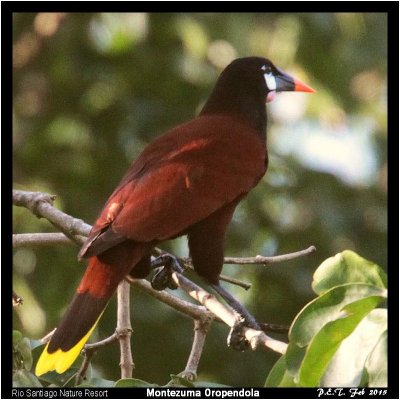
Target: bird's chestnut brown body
186,182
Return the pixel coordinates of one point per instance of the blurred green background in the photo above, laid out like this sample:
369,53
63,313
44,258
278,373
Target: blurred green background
91,90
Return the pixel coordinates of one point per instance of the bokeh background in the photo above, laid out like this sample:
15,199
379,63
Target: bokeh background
91,90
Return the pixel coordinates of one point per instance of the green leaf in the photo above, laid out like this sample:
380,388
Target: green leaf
294,357
376,364
279,375
24,348
330,307
326,342
17,337
347,267
24,378
99,382
66,379
347,366
209,384
179,380
130,382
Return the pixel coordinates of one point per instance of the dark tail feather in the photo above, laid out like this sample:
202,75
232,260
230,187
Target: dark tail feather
101,278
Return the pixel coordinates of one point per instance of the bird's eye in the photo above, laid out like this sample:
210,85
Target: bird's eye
267,69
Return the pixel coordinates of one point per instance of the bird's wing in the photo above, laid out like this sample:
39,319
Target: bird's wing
180,179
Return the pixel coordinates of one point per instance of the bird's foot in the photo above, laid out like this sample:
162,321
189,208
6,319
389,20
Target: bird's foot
236,339
163,278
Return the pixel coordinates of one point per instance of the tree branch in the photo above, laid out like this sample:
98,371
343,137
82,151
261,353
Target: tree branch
42,239
41,204
256,338
102,343
191,310
201,328
89,350
124,330
269,260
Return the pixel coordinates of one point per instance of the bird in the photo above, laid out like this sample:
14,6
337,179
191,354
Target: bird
188,181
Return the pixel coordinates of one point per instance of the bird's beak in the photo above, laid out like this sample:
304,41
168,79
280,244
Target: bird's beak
286,83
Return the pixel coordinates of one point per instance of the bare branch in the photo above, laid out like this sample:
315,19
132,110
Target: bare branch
200,332
187,262
91,347
255,337
259,338
192,310
41,204
42,239
269,260
81,374
88,351
277,328
261,259
124,330
233,281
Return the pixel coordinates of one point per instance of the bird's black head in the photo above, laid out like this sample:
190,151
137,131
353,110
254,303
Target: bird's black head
244,87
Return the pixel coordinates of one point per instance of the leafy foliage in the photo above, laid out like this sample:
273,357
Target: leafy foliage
22,362
339,339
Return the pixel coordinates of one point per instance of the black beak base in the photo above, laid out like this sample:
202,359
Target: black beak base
286,83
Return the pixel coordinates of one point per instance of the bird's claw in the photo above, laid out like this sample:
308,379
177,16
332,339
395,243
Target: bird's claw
163,278
236,339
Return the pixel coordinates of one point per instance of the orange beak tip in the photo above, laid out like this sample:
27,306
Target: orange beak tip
299,86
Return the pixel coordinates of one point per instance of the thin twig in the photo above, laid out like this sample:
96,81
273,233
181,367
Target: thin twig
234,281
43,239
124,330
41,204
101,343
263,260
201,328
269,260
192,310
81,374
89,350
276,328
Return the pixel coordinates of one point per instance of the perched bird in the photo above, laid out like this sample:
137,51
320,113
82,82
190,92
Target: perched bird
186,182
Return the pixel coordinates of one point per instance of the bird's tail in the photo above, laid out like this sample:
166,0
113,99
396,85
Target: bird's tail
101,278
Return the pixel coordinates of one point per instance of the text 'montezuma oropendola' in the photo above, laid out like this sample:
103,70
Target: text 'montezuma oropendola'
186,182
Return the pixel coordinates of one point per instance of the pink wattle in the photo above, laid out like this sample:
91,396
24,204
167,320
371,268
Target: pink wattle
271,96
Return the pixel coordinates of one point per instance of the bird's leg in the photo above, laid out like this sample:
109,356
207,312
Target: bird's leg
236,339
163,279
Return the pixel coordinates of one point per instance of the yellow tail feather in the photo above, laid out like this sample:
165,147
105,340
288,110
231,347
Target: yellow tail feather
60,360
